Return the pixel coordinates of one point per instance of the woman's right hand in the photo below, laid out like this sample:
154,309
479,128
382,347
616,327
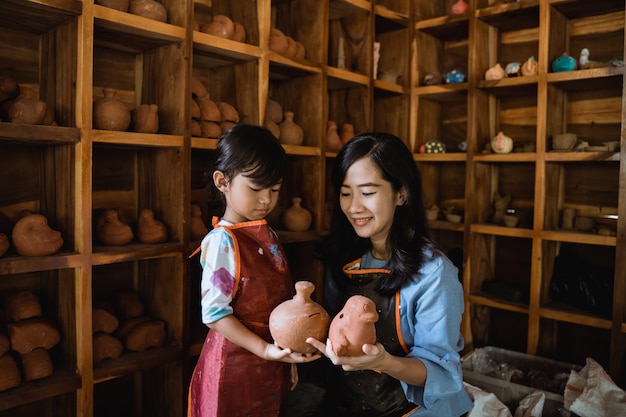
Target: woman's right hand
276,353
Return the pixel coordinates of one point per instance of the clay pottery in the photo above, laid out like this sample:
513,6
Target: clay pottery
9,89
209,110
501,143
296,218
495,73
240,33
529,67
111,230
36,365
460,7
11,376
27,110
128,304
146,118
228,112
564,141
149,229
292,321
225,126
150,9
49,117
278,41
567,220
210,130
300,50
510,220
194,109
121,5
347,132
30,334
273,111
221,26
106,346
110,113
22,305
353,326
146,334
33,237
194,128
103,320
198,228
291,47
4,244
564,63
333,141
290,132
272,127
197,88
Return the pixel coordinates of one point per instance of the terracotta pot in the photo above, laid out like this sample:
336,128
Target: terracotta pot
296,218
121,5
292,321
33,237
146,118
273,111
9,89
333,141
226,126
149,229
110,113
300,51
290,132
27,110
148,8
198,228
4,244
353,326
111,230
278,41
194,109
347,132
221,26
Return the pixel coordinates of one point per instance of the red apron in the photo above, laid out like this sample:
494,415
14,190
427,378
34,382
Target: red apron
228,380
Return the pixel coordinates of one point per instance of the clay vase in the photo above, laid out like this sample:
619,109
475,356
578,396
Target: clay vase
296,218
110,113
290,132
333,141
240,33
149,229
33,237
347,132
353,326
278,41
292,321
221,26
198,228
273,111
111,230
121,5
27,110
9,88
4,244
460,7
146,118
209,111
150,9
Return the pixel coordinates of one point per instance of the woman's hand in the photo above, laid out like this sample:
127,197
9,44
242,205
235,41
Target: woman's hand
276,353
374,356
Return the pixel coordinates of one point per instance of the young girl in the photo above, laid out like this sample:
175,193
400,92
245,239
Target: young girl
379,247
245,275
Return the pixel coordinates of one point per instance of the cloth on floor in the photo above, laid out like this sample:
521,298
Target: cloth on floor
531,405
592,393
486,404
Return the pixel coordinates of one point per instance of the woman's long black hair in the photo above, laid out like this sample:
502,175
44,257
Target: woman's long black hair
408,238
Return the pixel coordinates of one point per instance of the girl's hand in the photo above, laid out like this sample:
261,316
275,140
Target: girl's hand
275,353
294,377
373,357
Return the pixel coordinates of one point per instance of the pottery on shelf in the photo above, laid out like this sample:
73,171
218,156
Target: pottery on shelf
221,26
150,9
512,69
293,321
111,113
460,7
529,67
9,89
495,73
4,243
501,143
111,230
27,110
564,63
353,326
278,41
564,141
145,118
433,78
149,229
454,77
290,132
210,130
33,237
198,228
106,346
333,141
273,111
11,376
296,218
121,5
228,112
209,111
197,88
347,132
37,364
291,47
240,33
272,127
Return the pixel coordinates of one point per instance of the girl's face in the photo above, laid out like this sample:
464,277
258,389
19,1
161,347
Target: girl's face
369,202
245,201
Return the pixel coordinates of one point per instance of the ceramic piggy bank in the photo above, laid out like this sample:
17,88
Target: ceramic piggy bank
353,326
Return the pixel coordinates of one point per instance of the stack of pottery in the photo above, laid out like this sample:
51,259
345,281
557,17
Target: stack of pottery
286,45
208,116
103,324
229,116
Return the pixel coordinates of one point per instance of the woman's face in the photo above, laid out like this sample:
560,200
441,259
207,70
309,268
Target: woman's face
369,202
245,201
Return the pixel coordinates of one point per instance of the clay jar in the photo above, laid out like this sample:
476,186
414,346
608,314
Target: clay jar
198,228
121,5
293,321
112,231
149,9
9,88
296,218
221,26
347,132
290,132
33,237
149,229
27,110
354,326
278,41
333,141
110,113
146,118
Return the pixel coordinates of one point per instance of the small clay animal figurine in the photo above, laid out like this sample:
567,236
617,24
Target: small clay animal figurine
495,73
585,63
149,229
454,77
529,67
512,69
460,7
501,143
111,230
33,237
564,63
354,326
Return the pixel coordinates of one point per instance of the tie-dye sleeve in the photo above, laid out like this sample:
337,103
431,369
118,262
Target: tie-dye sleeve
218,275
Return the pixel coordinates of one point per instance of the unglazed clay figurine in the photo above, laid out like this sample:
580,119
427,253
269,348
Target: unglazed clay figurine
27,335
145,118
22,305
290,132
103,321
37,364
106,346
333,141
127,304
147,334
9,373
111,230
221,26
495,73
33,237
353,326
529,67
149,229
293,321
110,113
27,110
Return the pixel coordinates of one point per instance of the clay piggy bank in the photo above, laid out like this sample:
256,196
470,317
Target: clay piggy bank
353,326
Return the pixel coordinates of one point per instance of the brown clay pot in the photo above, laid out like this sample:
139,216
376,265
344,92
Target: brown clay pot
33,237
4,244
148,8
296,218
121,5
221,26
146,118
353,326
110,113
273,111
198,228
240,33
228,112
333,141
292,321
9,89
27,110
111,230
290,132
278,41
149,229
347,132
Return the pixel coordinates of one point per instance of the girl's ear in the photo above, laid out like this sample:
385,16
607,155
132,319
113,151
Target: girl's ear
220,180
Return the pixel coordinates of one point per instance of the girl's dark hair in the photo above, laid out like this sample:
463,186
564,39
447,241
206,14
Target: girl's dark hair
408,238
252,151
